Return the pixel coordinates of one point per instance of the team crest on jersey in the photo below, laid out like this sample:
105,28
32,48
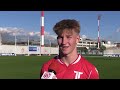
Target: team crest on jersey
77,74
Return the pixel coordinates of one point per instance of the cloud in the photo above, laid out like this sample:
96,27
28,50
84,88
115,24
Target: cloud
11,30
84,36
22,33
118,30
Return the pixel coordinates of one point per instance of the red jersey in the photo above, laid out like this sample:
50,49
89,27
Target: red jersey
79,69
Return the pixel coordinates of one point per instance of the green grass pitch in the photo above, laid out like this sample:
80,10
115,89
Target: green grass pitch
28,67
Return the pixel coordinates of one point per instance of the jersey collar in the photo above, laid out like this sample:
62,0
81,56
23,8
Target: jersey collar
77,60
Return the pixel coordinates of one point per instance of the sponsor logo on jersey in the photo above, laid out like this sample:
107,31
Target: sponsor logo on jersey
77,74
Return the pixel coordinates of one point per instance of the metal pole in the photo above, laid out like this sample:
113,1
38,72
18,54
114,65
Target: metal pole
15,44
28,45
50,48
0,39
40,46
99,31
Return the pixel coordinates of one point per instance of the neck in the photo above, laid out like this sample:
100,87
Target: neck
68,59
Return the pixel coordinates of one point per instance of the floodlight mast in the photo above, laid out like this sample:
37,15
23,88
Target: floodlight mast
42,32
99,17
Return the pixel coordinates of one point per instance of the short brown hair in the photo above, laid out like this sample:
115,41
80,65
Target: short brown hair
66,24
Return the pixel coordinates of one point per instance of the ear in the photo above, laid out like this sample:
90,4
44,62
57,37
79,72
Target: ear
78,39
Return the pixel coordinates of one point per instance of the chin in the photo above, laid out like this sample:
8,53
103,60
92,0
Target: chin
65,53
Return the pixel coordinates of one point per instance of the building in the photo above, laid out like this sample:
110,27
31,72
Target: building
84,42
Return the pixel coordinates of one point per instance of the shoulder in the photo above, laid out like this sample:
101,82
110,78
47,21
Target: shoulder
91,68
87,63
46,65
50,61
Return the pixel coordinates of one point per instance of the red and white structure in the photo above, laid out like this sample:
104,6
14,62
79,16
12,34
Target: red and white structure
42,28
99,31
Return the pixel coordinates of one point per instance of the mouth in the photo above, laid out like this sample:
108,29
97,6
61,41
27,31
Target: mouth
64,47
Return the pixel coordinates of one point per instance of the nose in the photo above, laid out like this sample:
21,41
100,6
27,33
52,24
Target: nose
64,40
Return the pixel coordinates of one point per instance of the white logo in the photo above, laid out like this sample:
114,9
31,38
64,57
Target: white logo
77,74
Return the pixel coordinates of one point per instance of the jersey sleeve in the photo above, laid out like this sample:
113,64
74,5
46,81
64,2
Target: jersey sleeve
45,67
94,74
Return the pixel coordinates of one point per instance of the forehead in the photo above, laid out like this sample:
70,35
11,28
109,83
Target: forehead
68,32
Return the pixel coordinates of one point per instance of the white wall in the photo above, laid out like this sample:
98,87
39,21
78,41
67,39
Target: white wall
24,50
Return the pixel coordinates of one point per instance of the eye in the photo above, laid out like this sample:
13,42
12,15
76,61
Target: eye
59,37
69,37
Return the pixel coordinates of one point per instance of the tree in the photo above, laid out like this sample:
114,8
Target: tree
83,49
102,48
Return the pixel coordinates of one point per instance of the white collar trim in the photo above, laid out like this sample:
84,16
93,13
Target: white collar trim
78,59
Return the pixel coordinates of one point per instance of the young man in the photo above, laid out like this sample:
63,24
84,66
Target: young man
68,64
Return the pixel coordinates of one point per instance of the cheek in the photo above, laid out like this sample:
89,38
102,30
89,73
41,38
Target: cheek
73,42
